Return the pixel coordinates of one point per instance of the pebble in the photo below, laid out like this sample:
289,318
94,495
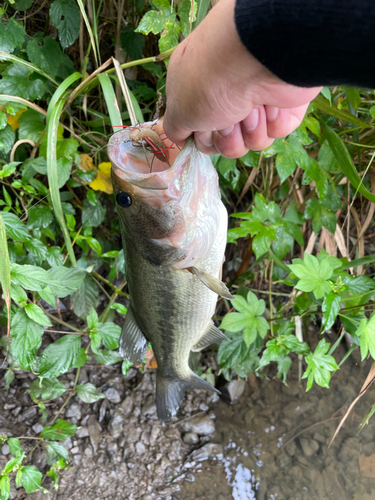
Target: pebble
113,395
116,425
149,408
127,405
74,411
202,425
88,451
27,414
236,389
8,406
82,432
17,411
68,444
309,446
140,448
112,449
5,449
37,428
190,438
94,432
210,451
77,459
75,450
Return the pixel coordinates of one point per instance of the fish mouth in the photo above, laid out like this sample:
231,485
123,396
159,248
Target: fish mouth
139,166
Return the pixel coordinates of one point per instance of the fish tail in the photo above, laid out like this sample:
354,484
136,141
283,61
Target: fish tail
171,391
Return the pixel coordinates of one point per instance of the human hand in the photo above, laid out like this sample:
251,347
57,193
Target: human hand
217,90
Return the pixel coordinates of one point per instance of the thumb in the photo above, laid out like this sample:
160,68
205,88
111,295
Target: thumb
176,134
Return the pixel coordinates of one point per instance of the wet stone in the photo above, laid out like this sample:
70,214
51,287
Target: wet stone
74,411
82,432
5,449
94,432
140,448
236,389
309,446
202,425
37,428
116,425
209,451
127,405
112,395
190,438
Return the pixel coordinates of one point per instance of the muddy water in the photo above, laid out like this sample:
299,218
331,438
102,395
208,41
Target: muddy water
275,443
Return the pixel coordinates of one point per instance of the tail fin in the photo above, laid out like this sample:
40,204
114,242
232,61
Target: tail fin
171,391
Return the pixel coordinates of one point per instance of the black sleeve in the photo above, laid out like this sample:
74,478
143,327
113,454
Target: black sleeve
311,42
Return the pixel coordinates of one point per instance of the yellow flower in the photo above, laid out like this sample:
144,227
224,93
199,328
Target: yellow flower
103,179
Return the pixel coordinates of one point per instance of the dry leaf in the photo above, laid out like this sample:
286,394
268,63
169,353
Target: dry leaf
86,162
103,179
13,119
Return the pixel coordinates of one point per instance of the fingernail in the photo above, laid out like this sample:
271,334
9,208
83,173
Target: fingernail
224,132
206,139
271,112
251,121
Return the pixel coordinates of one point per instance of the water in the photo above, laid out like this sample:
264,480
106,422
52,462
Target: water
276,438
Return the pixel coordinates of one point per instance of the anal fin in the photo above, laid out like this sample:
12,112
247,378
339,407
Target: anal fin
212,283
133,344
211,336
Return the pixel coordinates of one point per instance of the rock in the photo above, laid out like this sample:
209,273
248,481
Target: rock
146,438
131,433
75,450
210,451
77,459
68,444
116,425
103,409
17,411
27,415
8,406
83,377
74,411
94,432
5,449
333,487
112,449
202,425
140,448
236,388
82,432
113,395
88,451
149,408
190,438
309,446
127,405
37,428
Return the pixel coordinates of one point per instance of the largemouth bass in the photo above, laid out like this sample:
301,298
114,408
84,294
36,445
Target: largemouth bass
174,229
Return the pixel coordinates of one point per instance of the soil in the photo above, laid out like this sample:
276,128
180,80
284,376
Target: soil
271,443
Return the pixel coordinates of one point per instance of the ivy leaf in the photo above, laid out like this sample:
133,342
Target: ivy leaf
46,389
319,366
88,393
110,334
27,338
248,318
12,36
47,56
366,333
31,478
314,275
330,308
317,174
59,357
15,81
61,431
35,313
65,16
228,169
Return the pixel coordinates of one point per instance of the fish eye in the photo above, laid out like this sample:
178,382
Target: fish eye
123,199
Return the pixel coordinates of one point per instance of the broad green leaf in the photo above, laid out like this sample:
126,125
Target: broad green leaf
13,463
86,298
230,351
330,308
169,36
65,278
14,227
317,174
47,56
7,136
366,332
186,15
36,248
61,430
133,43
125,367
313,275
95,341
94,215
15,446
283,242
155,21
107,357
18,294
12,36
110,334
59,357
40,216
32,125
46,389
65,16
321,216
9,168
88,393
48,296
16,82
27,339
4,487
319,366
58,450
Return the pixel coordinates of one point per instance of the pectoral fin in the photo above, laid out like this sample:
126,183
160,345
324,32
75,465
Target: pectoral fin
212,283
212,336
133,344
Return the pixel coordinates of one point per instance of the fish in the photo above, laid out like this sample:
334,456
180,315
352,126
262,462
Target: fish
174,230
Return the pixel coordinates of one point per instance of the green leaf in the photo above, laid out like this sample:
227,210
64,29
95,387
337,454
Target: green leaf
92,319
36,248
230,351
317,174
59,357
125,367
155,21
169,36
314,275
9,168
331,109
4,487
185,15
283,242
133,43
16,82
61,430
81,358
8,378
15,446
88,393
23,4
228,169
95,341
46,389
63,278
13,464
56,450
7,136
94,215
105,357
35,313
47,56
32,124
86,298
366,332
65,16
18,294
321,216
12,36
110,334
319,366
48,296
40,216
330,308
27,339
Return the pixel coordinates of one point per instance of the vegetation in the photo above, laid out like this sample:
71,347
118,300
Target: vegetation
301,231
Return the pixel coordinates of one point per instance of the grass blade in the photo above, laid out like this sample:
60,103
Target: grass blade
345,162
110,99
202,11
91,35
332,110
53,115
4,56
5,270
134,110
